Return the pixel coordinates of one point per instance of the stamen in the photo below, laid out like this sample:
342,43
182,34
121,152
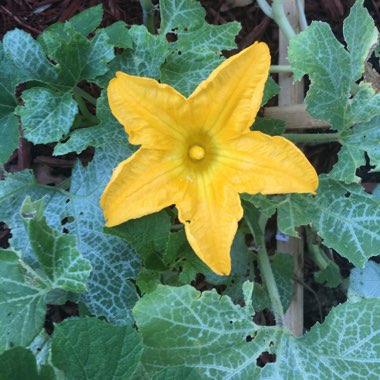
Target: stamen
196,152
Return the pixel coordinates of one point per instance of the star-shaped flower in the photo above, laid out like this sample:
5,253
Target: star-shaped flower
199,153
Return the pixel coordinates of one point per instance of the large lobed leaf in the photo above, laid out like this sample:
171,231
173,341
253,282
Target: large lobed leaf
197,50
110,352
333,71
110,292
218,339
344,215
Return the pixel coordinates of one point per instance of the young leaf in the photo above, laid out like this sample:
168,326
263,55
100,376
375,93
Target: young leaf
83,23
148,235
57,253
108,351
19,363
47,115
364,283
22,304
82,59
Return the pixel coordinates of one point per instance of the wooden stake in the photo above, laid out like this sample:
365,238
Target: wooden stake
291,94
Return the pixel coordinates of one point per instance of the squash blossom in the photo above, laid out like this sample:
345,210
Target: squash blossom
199,153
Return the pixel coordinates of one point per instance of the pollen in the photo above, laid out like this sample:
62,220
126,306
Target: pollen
196,152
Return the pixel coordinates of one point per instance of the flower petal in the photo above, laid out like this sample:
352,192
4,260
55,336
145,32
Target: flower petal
258,163
150,112
143,184
210,211
228,101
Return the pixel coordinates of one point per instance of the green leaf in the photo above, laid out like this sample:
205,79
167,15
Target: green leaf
361,139
181,325
22,306
331,68
8,121
175,373
118,35
88,20
79,211
348,219
47,115
196,54
144,59
148,235
107,130
83,23
271,89
180,16
57,253
28,58
318,53
361,35
79,58
19,364
345,216
345,345
364,283
272,127
9,135
107,351
290,208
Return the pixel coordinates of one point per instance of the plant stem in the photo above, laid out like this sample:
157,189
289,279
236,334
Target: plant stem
301,15
280,69
281,19
256,223
265,7
85,95
318,138
270,282
84,110
148,15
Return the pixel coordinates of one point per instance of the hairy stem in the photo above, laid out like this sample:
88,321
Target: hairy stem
84,110
318,138
270,282
85,95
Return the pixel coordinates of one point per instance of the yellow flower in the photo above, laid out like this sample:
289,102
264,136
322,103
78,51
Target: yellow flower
198,153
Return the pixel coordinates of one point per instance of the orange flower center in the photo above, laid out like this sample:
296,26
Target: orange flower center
196,152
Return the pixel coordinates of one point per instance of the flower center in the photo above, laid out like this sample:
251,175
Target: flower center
196,152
